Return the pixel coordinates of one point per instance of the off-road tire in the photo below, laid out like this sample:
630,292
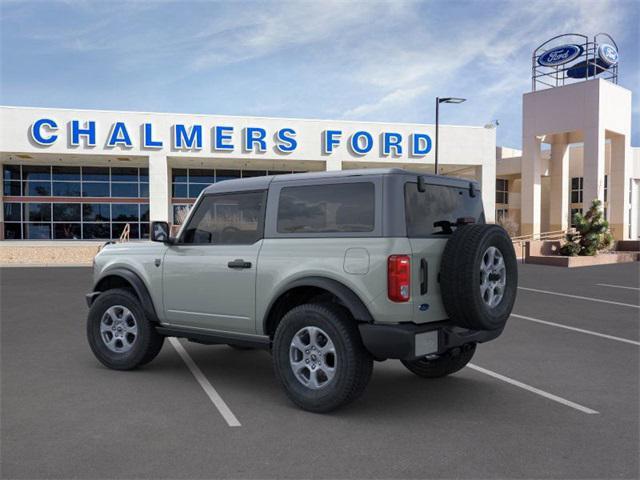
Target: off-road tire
353,363
460,277
147,344
444,365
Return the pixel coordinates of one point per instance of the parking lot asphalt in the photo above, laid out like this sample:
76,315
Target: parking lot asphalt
64,415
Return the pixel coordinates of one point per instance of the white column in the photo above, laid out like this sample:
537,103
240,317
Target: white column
619,185
593,166
559,206
531,186
159,188
333,164
486,176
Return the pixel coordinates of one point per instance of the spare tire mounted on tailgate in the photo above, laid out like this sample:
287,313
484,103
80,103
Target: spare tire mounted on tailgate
479,277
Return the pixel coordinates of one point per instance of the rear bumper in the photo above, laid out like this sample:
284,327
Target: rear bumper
407,341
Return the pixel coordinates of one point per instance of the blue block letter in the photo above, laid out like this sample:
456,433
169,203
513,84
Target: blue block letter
221,137
36,131
421,144
286,140
253,136
355,142
330,140
89,131
119,136
184,139
147,138
391,140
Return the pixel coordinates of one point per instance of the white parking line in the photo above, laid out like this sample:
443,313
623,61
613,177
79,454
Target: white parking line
579,297
535,390
211,392
616,286
559,325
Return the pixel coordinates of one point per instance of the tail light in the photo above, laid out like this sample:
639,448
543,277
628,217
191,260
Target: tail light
399,278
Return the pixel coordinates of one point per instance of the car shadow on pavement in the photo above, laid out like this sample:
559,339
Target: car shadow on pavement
393,392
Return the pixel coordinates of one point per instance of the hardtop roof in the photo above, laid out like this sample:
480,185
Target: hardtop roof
262,183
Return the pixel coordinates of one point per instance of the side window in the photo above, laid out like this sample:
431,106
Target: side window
227,219
330,208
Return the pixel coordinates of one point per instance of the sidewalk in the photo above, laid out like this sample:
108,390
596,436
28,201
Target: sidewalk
48,253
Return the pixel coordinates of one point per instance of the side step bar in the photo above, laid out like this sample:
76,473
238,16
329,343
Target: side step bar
214,338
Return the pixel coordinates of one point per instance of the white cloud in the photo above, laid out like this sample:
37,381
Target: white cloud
361,60
487,56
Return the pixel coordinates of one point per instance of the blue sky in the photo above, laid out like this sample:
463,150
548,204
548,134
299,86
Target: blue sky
369,60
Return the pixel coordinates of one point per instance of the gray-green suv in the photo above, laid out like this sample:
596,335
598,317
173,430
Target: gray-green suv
328,271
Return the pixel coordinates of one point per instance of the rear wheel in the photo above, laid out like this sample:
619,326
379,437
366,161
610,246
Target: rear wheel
119,333
319,358
452,361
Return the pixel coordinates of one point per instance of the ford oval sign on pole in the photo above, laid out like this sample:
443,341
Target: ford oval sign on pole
608,54
560,55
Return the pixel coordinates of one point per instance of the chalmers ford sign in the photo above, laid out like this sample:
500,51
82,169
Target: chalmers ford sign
222,138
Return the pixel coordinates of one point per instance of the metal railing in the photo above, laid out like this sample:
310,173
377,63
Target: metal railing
520,242
543,76
552,235
124,236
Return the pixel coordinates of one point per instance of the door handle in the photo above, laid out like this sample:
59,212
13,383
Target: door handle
239,263
424,276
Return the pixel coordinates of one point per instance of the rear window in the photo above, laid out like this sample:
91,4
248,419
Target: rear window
438,203
331,208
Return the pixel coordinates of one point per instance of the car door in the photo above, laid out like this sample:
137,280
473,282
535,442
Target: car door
209,274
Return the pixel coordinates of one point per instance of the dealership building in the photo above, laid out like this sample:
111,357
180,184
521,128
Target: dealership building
87,174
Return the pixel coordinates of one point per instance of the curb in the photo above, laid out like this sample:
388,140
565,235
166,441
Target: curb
44,265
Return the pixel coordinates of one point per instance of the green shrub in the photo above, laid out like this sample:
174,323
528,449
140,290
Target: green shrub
592,233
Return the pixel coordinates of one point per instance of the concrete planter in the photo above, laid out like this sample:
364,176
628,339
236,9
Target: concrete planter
546,253
602,259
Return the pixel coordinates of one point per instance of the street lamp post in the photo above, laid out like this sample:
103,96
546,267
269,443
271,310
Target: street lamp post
438,102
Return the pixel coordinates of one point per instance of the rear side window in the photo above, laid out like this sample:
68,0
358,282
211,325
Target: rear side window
331,208
438,203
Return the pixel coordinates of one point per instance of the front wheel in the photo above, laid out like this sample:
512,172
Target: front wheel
119,333
319,357
452,361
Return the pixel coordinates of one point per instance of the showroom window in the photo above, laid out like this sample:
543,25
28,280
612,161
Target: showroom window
502,190
187,183
576,189
502,214
63,181
74,221
91,203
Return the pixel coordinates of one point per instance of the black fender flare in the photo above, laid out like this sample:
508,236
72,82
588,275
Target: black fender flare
350,299
136,283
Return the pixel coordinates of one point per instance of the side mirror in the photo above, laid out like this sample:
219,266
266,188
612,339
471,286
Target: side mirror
160,232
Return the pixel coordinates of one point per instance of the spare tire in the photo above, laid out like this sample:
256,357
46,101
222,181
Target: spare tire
479,277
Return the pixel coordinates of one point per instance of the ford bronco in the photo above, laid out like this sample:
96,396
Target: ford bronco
328,271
